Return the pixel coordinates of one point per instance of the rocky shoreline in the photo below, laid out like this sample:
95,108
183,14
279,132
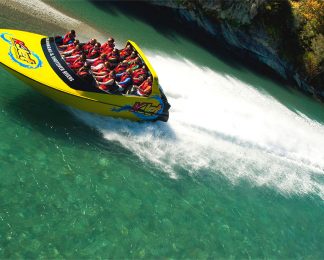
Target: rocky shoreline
246,40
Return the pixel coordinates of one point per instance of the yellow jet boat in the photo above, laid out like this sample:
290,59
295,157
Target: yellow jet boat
35,59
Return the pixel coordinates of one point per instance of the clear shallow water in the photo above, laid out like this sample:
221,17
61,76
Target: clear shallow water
248,183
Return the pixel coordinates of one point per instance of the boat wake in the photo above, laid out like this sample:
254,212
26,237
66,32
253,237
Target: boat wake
222,125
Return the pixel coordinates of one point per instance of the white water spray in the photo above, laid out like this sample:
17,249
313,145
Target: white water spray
222,125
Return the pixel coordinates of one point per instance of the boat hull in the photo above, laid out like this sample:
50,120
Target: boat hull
27,58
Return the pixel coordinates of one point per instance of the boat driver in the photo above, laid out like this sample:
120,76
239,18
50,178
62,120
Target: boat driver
66,39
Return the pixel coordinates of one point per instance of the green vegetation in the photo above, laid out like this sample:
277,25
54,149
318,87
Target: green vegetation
297,28
277,19
309,17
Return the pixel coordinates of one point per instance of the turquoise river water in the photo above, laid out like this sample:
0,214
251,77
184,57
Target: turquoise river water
237,172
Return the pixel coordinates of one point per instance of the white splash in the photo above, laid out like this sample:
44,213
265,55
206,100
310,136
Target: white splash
222,125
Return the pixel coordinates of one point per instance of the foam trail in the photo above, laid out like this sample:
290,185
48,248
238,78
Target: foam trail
220,124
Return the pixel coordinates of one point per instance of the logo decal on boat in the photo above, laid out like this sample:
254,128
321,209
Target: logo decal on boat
20,54
144,110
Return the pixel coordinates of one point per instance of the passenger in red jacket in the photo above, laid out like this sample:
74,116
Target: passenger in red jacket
72,52
96,61
125,80
66,39
83,72
121,67
107,83
72,55
68,47
135,64
132,56
108,46
113,57
140,71
139,75
102,71
78,63
124,53
95,52
89,45
145,88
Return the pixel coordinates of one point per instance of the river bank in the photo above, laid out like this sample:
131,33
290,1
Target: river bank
34,17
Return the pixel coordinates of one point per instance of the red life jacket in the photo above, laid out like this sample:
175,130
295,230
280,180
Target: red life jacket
106,48
143,89
133,65
139,72
130,59
112,88
125,53
98,61
71,60
104,69
105,79
113,57
76,52
138,80
77,65
121,68
83,73
68,37
93,54
124,76
70,47
88,47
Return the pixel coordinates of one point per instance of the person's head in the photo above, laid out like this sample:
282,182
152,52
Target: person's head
97,45
128,47
144,67
76,42
133,54
115,51
83,57
129,71
93,41
138,60
111,40
103,56
149,79
72,32
107,64
78,47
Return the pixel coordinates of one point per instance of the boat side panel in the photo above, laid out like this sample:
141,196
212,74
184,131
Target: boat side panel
22,52
133,108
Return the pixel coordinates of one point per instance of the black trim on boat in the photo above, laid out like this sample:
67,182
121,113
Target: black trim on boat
164,116
62,69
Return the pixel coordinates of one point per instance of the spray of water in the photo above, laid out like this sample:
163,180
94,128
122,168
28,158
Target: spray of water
222,125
